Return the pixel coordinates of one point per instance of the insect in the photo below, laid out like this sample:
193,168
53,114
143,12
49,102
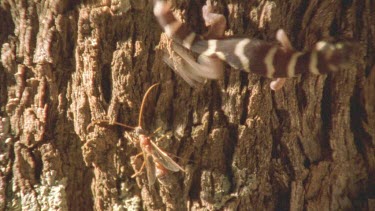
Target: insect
272,60
156,161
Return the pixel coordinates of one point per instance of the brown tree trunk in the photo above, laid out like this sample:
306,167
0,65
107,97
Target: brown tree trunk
245,147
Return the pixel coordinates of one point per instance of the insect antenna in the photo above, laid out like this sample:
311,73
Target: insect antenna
109,123
143,103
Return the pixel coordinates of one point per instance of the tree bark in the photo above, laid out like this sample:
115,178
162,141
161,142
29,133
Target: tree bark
244,147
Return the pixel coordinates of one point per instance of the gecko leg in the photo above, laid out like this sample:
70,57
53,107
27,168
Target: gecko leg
277,84
281,36
216,22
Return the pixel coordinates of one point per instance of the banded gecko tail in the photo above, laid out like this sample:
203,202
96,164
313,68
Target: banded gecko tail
272,60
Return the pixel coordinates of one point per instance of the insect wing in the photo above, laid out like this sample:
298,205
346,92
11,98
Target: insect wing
150,167
162,158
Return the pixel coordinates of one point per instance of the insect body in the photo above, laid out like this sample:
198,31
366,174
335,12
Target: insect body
154,157
271,60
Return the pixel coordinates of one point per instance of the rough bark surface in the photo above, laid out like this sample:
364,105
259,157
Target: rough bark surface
65,63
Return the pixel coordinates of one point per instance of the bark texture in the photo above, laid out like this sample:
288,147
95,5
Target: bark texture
65,63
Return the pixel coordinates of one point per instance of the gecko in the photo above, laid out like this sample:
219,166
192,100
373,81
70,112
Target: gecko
277,61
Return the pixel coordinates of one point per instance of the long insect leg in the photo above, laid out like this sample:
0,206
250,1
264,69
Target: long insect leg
137,155
100,121
139,171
